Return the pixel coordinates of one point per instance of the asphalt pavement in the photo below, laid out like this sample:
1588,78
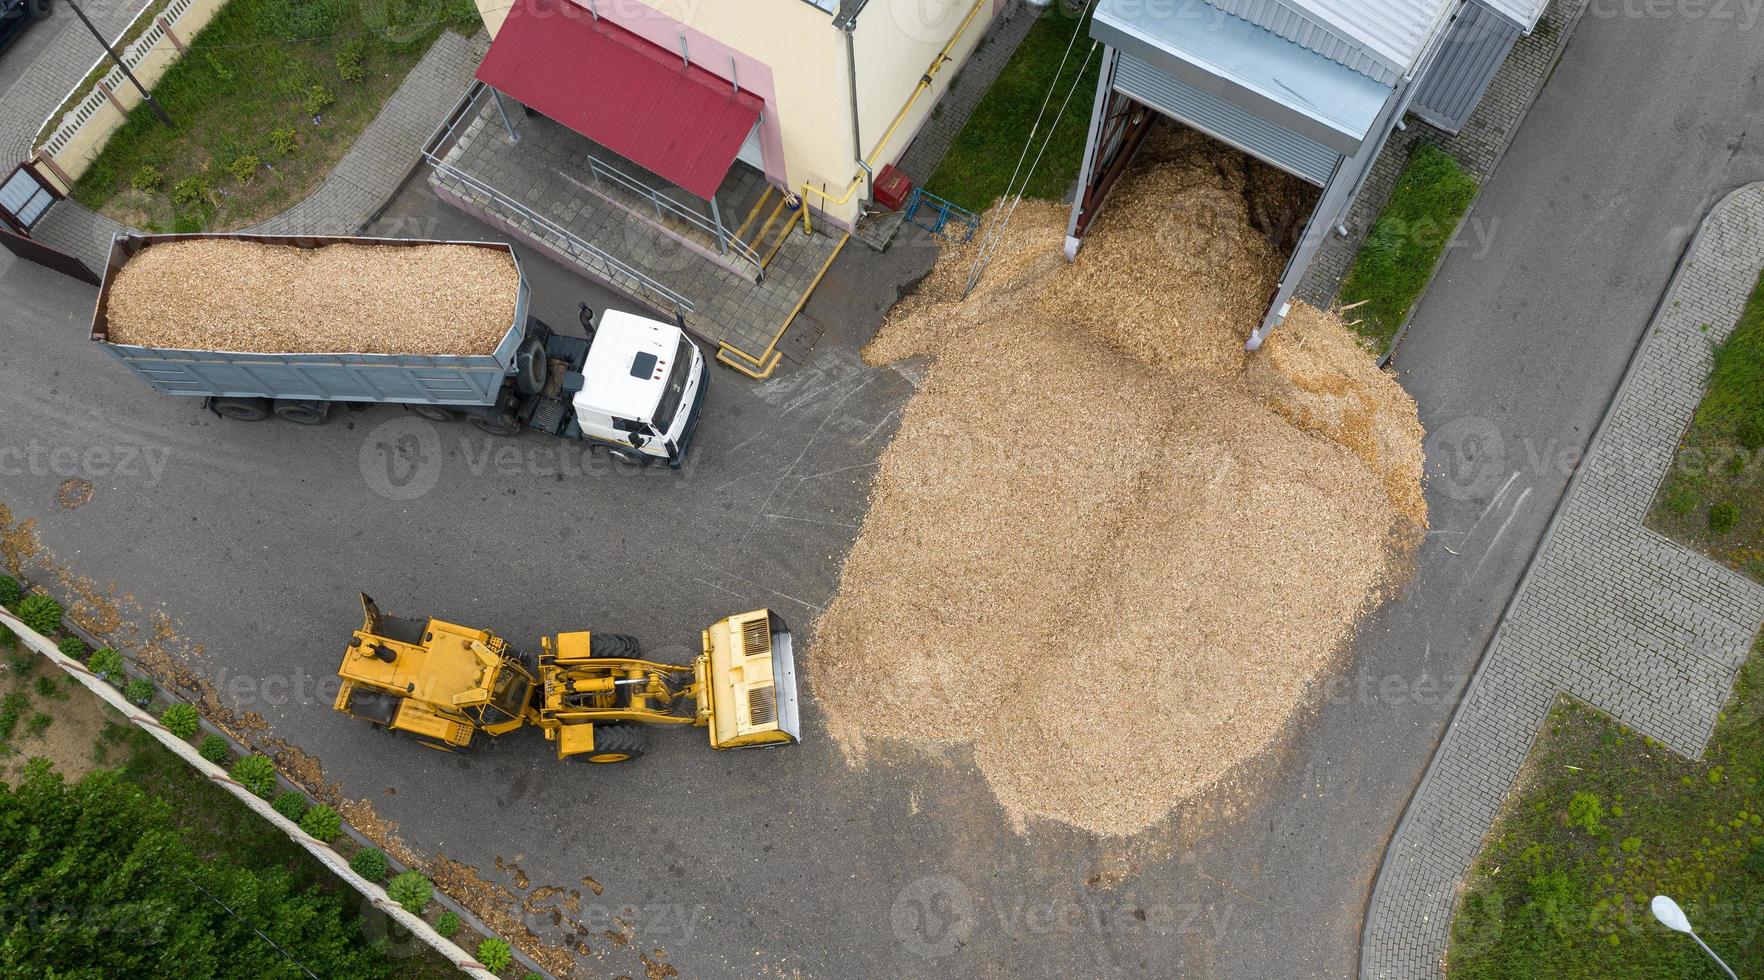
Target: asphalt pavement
254,539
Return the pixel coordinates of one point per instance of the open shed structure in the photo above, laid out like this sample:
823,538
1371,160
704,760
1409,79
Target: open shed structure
1313,87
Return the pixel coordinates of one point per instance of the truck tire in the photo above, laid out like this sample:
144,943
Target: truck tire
614,646
619,454
303,412
40,9
618,742
531,367
434,413
495,425
242,409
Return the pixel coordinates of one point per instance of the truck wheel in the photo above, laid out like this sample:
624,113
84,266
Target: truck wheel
619,454
242,409
40,9
495,425
616,646
622,742
303,412
531,367
434,413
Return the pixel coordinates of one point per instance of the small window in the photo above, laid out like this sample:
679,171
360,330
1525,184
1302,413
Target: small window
643,365
626,425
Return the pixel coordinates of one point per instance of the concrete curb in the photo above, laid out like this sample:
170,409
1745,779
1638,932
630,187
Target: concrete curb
1483,660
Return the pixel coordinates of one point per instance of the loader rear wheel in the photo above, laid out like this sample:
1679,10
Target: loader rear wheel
613,646
617,743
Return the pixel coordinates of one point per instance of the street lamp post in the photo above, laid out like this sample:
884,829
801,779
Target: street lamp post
1673,917
145,95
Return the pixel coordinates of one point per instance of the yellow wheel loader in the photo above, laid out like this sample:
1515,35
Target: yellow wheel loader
589,692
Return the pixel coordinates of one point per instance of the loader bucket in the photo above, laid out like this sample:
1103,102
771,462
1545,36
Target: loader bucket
747,682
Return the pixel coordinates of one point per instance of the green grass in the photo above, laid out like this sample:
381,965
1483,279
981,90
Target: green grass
1405,244
978,167
1605,819
251,73
1713,498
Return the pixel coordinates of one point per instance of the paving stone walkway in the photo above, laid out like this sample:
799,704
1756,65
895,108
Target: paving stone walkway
1478,147
364,180
63,62
1609,611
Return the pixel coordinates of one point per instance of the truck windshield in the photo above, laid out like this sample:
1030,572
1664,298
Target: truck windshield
676,390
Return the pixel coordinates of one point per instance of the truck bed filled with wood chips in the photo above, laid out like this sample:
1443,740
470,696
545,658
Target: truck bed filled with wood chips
228,294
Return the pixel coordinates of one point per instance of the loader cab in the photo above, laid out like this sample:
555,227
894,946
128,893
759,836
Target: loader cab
642,388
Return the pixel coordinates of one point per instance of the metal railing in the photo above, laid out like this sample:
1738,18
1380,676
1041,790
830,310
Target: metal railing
664,205
75,119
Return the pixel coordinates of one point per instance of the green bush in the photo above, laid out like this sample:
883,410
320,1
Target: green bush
191,193
139,692
39,723
1586,812
351,61
146,178
322,822
315,100
411,890
22,662
530,975
1722,517
74,647
10,590
244,168
495,954
447,924
1553,900
257,774
214,749
180,719
1750,433
46,687
108,665
41,613
8,639
283,140
370,863
291,804
11,707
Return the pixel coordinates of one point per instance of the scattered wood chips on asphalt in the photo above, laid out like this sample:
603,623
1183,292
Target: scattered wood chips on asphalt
1108,548
222,294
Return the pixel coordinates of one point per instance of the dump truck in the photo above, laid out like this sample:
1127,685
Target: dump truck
452,686
631,387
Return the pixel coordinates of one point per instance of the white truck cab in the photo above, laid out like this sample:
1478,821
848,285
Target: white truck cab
642,387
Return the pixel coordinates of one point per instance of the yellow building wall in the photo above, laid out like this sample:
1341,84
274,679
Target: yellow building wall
898,43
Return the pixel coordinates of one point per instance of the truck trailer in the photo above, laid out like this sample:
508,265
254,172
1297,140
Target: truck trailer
631,387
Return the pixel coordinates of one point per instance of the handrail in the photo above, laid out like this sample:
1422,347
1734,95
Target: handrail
869,160
136,51
722,236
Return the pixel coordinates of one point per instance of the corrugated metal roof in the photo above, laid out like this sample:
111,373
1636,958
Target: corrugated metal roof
622,92
1524,14
1394,33
1309,34
1223,121
1473,51
1256,70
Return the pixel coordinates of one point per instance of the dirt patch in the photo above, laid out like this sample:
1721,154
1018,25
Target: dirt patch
245,296
74,494
1108,549
80,719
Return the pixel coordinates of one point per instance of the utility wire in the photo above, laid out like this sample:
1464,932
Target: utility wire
994,239
290,956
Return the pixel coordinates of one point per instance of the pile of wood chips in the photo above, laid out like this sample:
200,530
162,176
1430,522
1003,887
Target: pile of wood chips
1107,547
228,295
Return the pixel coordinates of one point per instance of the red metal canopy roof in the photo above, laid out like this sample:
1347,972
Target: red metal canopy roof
621,91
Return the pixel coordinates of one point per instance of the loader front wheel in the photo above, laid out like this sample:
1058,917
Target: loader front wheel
613,646
617,743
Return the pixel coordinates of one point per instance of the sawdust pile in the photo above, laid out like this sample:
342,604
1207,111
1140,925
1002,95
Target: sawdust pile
245,296
1107,547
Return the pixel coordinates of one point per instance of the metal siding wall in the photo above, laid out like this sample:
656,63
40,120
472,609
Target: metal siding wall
1277,18
1218,118
1478,43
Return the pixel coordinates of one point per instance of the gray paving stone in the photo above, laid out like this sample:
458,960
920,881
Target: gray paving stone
1609,611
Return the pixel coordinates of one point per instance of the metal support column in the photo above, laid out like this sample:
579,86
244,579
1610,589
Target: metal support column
513,137
1104,91
717,219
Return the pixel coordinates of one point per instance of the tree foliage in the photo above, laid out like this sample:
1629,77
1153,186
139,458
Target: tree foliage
98,882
